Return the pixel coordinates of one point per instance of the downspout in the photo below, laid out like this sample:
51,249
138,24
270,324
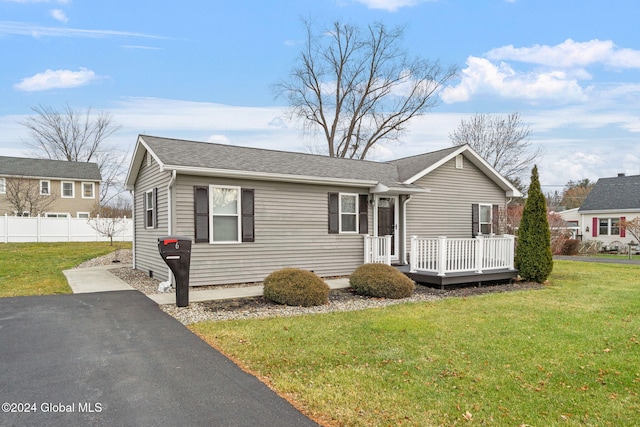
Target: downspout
133,226
169,211
404,227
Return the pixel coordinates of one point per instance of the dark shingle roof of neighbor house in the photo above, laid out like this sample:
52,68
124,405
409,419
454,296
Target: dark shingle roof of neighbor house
45,168
618,193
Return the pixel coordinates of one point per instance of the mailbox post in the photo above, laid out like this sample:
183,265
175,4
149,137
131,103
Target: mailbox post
176,252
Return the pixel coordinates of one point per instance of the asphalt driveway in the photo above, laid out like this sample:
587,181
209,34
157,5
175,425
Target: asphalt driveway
114,358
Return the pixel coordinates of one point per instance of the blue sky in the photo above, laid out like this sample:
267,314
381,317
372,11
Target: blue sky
203,70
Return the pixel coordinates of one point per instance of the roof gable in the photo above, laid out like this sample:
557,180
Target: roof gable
48,169
614,194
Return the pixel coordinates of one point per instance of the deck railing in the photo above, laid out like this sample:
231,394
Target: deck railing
443,255
377,249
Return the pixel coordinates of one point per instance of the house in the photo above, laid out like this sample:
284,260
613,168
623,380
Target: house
252,211
51,188
611,201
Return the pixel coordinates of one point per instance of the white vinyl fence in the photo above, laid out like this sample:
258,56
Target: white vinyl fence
42,229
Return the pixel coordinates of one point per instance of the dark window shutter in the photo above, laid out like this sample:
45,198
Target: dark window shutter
155,207
201,214
363,213
475,219
495,218
594,227
334,212
623,230
248,223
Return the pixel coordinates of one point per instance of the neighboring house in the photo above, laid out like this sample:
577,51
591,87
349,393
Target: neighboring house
571,218
252,211
51,188
611,201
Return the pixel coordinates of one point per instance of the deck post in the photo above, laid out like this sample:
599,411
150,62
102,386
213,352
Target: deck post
511,251
479,252
442,255
413,256
387,249
367,249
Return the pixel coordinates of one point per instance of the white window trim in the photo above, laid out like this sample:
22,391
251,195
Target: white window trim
73,189
87,215
609,226
93,190
57,215
149,207
480,223
238,214
356,195
3,185
48,187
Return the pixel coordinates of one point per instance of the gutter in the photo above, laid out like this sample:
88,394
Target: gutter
169,211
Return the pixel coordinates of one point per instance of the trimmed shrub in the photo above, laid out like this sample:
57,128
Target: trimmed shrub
382,281
294,286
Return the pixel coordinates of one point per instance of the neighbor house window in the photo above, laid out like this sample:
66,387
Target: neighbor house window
3,186
88,190
45,188
609,226
57,215
348,213
150,212
67,189
84,215
225,214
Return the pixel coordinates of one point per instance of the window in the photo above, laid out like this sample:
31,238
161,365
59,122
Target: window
3,186
486,221
67,190
84,215
348,213
45,188
225,214
150,208
609,226
57,215
88,190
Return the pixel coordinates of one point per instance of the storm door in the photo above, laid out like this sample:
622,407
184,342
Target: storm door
387,221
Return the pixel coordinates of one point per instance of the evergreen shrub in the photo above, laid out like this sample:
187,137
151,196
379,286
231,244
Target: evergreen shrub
296,287
381,281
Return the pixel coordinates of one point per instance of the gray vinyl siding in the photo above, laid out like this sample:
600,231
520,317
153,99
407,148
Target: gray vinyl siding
446,209
146,239
291,230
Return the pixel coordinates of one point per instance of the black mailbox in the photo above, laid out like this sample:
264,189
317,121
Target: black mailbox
176,252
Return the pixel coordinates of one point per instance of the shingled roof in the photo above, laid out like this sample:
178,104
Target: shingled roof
614,194
48,169
211,159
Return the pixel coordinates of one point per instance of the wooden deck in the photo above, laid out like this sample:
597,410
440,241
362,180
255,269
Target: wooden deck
467,278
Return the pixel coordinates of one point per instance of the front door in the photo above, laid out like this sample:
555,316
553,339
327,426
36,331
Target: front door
387,218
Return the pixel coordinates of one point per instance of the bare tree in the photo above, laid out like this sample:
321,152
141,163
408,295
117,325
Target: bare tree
111,220
24,195
575,193
503,142
632,226
78,136
358,88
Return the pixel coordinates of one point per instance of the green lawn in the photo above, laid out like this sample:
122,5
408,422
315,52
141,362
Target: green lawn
565,355
36,268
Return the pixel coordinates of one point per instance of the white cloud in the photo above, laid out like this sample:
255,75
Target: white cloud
59,15
56,79
390,5
483,77
31,30
570,54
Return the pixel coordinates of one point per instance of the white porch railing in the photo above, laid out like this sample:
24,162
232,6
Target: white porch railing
377,249
442,255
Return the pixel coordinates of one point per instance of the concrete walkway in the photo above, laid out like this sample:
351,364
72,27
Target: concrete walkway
99,279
